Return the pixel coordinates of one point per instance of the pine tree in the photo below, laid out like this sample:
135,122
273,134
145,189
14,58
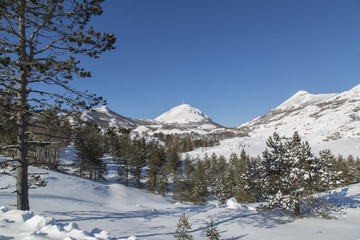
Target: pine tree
290,175
252,180
90,150
212,232
188,179
222,193
199,184
179,185
39,41
236,178
156,175
183,228
138,160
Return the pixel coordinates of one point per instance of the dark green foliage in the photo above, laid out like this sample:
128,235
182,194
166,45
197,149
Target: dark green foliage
51,135
187,142
156,174
138,160
179,185
39,41
90,150
7,123
212,232
290,174
236,184
199,190
183,228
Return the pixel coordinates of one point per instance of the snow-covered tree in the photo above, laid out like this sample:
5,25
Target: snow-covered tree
199,190
212,232
290,176
183,228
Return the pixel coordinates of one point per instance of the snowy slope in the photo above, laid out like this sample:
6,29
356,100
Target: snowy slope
107,118
85,209
303,99
324,120
323,116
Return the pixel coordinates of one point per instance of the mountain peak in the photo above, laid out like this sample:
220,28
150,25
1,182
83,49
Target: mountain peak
183,114
303,98
103,109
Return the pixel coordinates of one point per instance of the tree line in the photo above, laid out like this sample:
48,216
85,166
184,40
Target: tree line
286,174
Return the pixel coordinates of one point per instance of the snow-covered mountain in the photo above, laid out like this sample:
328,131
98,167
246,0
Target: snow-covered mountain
107,118
326,121
323,116
183,114
186,115
180,119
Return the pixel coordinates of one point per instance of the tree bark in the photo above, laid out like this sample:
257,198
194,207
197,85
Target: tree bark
297,208
22,185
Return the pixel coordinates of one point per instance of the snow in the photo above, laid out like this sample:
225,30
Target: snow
70,207
74,208
104,109
183,114
303,98
232,203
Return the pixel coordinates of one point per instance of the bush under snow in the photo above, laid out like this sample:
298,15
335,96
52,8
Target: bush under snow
16,224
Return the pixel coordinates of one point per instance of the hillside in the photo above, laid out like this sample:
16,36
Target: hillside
85,209
326,121
324,116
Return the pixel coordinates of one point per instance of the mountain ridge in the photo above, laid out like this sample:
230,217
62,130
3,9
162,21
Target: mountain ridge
322,119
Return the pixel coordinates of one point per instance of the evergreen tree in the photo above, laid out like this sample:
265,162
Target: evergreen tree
90,150
236,177
7,124
156,176
39,41
212,172
252,180
290,175
52,134
199,184
212,232
188,181
179,185
124,158
138,160
222,192
183,228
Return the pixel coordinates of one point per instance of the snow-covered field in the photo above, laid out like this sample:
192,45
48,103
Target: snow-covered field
70,207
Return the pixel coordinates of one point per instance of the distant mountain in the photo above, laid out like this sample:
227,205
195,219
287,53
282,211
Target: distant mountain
180,119
185,115
326,121
325,116
107,118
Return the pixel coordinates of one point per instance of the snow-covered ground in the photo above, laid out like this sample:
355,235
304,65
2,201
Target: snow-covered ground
70,207
256,146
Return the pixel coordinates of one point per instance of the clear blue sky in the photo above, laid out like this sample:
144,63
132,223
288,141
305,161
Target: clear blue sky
233,59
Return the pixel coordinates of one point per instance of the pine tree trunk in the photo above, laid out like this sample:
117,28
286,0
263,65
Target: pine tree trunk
297,208
22,186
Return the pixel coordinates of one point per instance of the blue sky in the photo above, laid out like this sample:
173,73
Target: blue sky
233,59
